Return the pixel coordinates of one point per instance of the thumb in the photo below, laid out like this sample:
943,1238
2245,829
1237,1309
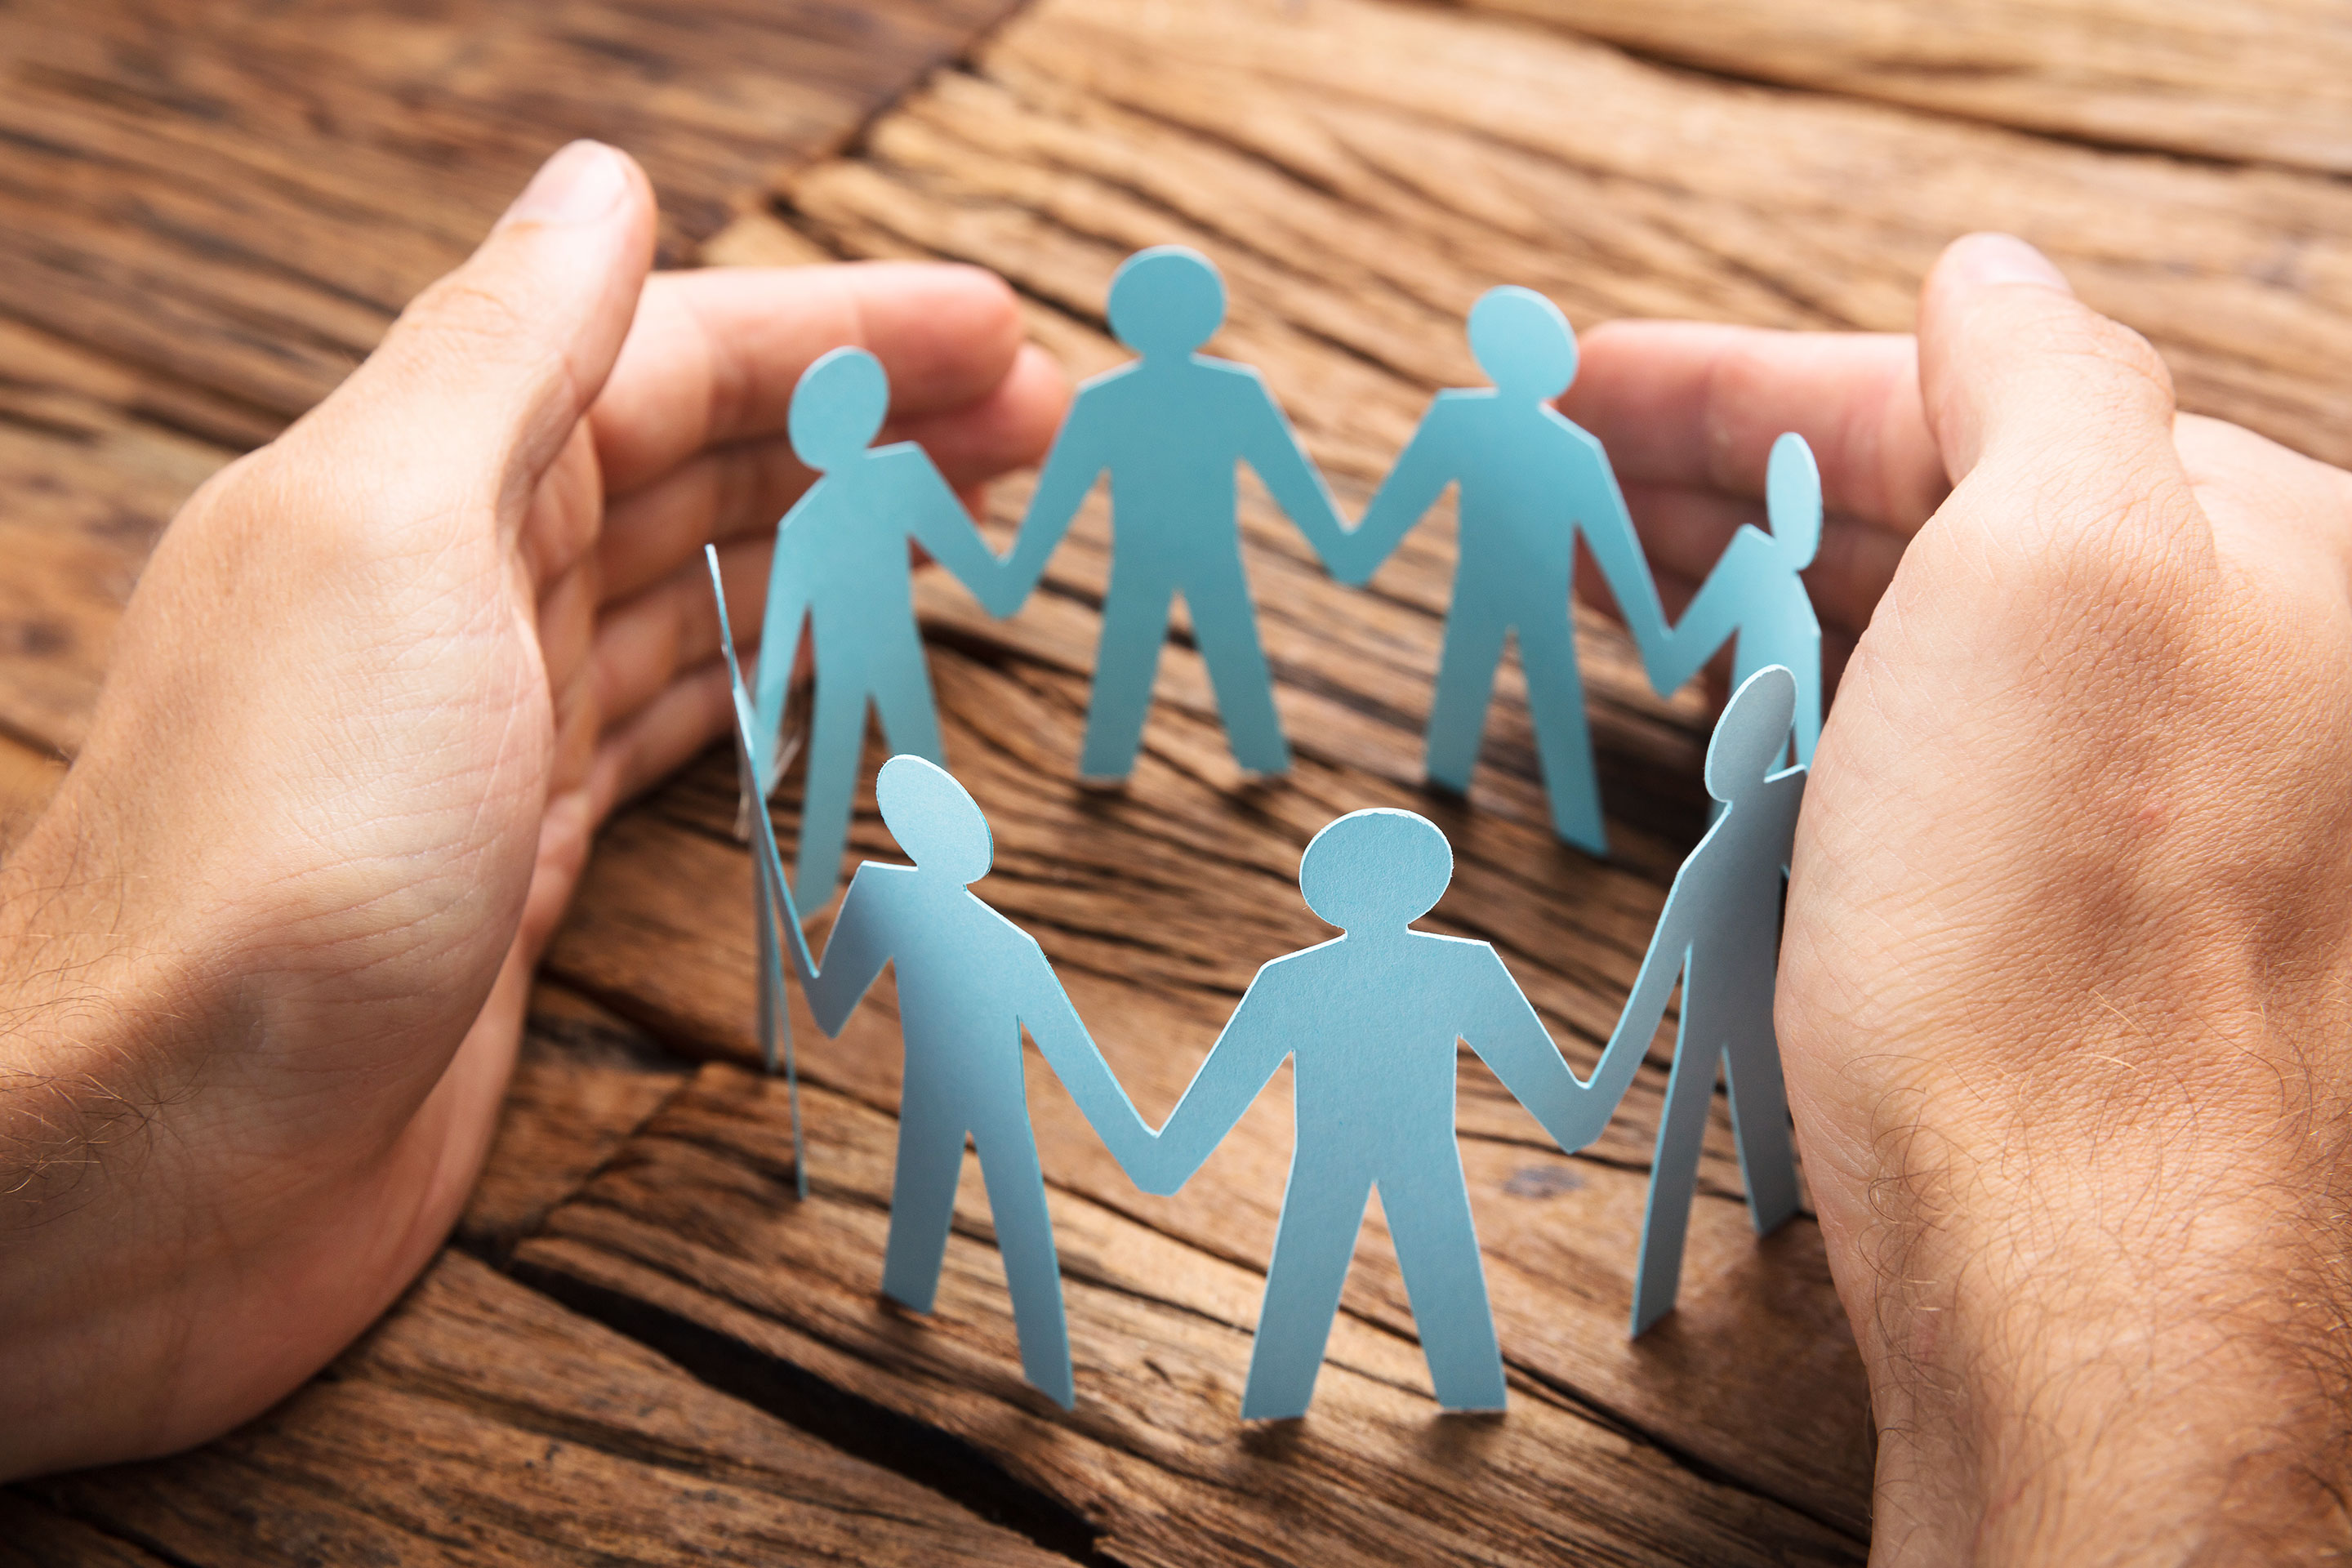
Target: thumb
491,367
2014,368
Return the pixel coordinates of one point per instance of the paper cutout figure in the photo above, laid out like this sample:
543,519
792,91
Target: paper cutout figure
1720,932
968,981
1755,599
1373,1017
841,562
1530,482
772,899
1170,428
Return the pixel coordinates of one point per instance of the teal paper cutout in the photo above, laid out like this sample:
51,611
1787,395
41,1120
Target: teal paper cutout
1373,1016
1170,428
1719,931
841,562
772,899
968,981
1754,595
1530,482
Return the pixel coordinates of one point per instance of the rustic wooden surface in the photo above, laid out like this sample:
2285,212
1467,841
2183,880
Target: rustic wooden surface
639,1347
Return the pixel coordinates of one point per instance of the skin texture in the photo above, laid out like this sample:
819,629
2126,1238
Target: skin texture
270,948
2063,995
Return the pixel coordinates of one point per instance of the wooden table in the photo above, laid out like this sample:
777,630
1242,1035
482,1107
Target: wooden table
638,1347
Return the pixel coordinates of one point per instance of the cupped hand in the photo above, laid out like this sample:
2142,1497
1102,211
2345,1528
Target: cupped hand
2065,995
268,951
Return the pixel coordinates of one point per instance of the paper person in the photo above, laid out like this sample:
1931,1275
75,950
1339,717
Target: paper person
1720,932
968,981
1755,596
841,563
1373,1017
1530,483
773,916
1170,428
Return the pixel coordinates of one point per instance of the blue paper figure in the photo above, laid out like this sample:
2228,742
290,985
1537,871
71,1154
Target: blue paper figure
1530,482
1755,596
1169,427
968,981
772,901
842,561
1720,932
1373,1017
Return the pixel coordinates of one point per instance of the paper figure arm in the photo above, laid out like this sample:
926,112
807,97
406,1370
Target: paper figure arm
780,645
1510,1037
1708,621
1236,1071
1270,447
1608,528
1062,1038
771,866
854,953
1079,456
1422,472
938,521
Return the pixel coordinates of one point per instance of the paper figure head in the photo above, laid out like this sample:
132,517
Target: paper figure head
1166,300
1523,343
1792,499
935,821
1752,734
1377,870
838,407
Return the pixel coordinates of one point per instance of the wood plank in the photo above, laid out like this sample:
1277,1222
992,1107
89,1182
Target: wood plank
482,1423
696,1219
1364,170
2261,80
36,1536
242,197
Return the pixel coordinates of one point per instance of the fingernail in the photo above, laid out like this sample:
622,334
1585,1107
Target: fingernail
581,184
1993,258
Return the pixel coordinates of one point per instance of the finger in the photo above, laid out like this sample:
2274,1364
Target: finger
715,355
746,487
690,712
490,369
643,642
1694,404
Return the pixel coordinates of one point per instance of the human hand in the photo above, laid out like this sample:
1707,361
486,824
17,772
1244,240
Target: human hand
268,951
2065,995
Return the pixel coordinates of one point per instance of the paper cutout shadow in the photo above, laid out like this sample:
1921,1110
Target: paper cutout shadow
841,563
1170,429
1373,1016
1755,600
1530,483
1719,933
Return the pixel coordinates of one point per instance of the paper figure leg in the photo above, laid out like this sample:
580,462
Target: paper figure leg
1563,739
1135,622
1025,1237
1465,685
1437,1248
902,699
1760,1125
1313,1245
922,1201
1224,629
837,745
1673,1170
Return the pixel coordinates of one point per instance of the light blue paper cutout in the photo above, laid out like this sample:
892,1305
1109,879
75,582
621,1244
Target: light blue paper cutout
1170,428
1373,1016
1719,931
772,899
841,562
1530,482
968,981
1755,596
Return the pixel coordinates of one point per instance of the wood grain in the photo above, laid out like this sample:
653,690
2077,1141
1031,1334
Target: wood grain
481,1422
2253,81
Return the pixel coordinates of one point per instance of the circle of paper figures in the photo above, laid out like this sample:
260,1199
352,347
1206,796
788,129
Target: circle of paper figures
1373,1017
